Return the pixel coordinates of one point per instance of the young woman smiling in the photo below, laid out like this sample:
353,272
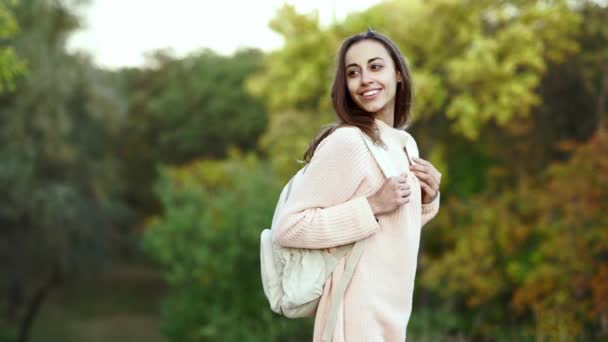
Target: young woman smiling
344,196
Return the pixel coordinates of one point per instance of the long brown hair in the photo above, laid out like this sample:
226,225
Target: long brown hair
348,112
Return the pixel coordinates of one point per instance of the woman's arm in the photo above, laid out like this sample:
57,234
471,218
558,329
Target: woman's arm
323,211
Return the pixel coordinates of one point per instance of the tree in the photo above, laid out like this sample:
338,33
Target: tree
207,242
61,202
498,84
183,109
10,65
539,247
486,54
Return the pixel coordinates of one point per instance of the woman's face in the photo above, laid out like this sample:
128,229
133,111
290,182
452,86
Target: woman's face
371,77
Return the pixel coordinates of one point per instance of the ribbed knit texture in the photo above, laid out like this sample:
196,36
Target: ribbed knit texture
330,208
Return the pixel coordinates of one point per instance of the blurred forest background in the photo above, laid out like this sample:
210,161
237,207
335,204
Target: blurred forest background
132,200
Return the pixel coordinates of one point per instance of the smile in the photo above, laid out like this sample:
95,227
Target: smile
370,93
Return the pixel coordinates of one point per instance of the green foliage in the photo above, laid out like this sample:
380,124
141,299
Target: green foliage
10,65
182,109
485,55
61,205
434,324
195,106
7,336
298,75
498,85
295,82
539,247
466,74
518,248
592,60
207,241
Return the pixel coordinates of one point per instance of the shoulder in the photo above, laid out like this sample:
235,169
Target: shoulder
345,141
344,138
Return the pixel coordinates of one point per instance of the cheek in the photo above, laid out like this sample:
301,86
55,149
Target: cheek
390,84
352,88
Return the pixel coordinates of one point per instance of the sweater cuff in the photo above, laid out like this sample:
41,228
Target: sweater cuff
365,216
431,207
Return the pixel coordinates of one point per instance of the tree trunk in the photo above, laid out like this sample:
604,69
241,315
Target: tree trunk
14,298
602,95
35,304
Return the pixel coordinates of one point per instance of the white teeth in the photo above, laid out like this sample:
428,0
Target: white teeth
371,92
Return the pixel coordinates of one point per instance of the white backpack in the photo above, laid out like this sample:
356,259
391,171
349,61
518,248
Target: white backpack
293,278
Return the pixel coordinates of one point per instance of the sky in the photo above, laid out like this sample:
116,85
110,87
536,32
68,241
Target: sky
119,33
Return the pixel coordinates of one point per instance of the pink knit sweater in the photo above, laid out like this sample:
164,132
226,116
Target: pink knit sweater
330,208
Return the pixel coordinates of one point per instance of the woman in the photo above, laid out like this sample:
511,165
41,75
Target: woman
344,197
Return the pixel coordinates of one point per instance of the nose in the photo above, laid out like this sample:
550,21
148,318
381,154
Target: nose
365,78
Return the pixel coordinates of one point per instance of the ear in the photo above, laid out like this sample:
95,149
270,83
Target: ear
399,77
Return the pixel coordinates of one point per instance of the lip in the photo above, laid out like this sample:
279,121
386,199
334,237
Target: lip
370,97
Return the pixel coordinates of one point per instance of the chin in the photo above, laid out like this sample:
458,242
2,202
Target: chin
371,108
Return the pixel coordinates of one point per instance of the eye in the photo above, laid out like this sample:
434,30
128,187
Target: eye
352,72
377,66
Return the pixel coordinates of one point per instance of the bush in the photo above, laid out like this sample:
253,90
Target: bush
207,240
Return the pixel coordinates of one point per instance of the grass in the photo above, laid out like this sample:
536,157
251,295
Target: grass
120,304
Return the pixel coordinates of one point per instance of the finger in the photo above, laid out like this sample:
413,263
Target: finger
404,186
418,167
421,161
427,169
401,179
429,186
425,174
436,182
428,178
437,176
405,193
427,164
431,169
425,187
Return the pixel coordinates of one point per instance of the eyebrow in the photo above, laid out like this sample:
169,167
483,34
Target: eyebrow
369,61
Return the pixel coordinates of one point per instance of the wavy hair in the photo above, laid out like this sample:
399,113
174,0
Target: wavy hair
348,112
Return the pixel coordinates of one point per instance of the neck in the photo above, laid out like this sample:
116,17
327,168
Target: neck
386,116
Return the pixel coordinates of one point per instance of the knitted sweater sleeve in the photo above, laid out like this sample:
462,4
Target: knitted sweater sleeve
323,211
430,210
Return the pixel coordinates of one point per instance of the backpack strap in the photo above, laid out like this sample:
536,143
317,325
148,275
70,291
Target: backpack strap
381,156
387,167
351,263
